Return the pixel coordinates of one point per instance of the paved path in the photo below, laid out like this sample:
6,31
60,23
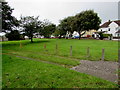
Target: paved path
104,69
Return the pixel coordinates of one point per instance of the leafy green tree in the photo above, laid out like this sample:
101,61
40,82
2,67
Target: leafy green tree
30,25
86,20
56,33
48,28
9,22
63,27
13,35
70,23
61,30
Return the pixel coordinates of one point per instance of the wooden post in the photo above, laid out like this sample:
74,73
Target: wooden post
56,48
20,45
45,46
70,50
88,52
103,54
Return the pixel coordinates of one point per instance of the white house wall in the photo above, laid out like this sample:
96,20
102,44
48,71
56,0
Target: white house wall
118,34
103,29
113,29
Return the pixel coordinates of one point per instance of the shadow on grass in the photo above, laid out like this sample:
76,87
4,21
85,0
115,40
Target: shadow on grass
24,42
34,42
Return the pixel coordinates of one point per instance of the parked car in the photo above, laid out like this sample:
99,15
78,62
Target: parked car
74,37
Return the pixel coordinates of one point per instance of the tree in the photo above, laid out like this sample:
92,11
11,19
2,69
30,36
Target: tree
30,25
61,30
48,28
63,27
8,21
70,23
56,33
86,20
13,35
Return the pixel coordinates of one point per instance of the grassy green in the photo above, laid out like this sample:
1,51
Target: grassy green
23,73
79,48
58,60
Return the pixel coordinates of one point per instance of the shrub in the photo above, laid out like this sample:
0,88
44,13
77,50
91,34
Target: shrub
107,35
102,36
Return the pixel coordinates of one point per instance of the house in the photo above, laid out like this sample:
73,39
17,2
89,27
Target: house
89,33
111,27
3,37
67,34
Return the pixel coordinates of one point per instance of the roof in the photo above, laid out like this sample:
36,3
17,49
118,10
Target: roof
118,31
106,24
118,22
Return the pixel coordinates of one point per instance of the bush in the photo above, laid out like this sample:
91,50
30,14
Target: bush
102,36
107,35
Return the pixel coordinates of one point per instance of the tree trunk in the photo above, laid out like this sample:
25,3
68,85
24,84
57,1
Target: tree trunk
2,38
70,34
31,38
79,35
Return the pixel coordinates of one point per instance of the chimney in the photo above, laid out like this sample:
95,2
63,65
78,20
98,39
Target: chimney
109,21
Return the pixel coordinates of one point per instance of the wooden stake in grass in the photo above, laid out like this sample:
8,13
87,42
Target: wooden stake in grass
103,54
56,48
20,45
70,50
88,52
45,46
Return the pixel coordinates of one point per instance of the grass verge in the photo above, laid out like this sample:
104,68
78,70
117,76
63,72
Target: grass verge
21,73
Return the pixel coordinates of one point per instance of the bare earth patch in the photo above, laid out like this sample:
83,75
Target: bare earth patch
104,69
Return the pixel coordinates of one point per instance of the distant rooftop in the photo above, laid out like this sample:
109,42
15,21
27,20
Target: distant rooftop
106,24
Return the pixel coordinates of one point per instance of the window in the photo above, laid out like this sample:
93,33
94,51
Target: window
118,34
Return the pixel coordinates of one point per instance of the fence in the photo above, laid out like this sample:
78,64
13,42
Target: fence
71,51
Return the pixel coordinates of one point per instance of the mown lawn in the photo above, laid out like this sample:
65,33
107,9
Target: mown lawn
24,73
79,48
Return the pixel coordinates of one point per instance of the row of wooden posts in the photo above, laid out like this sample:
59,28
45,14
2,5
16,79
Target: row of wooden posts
88,52
71,50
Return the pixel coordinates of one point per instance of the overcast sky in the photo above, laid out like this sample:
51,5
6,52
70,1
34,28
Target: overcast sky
55,10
